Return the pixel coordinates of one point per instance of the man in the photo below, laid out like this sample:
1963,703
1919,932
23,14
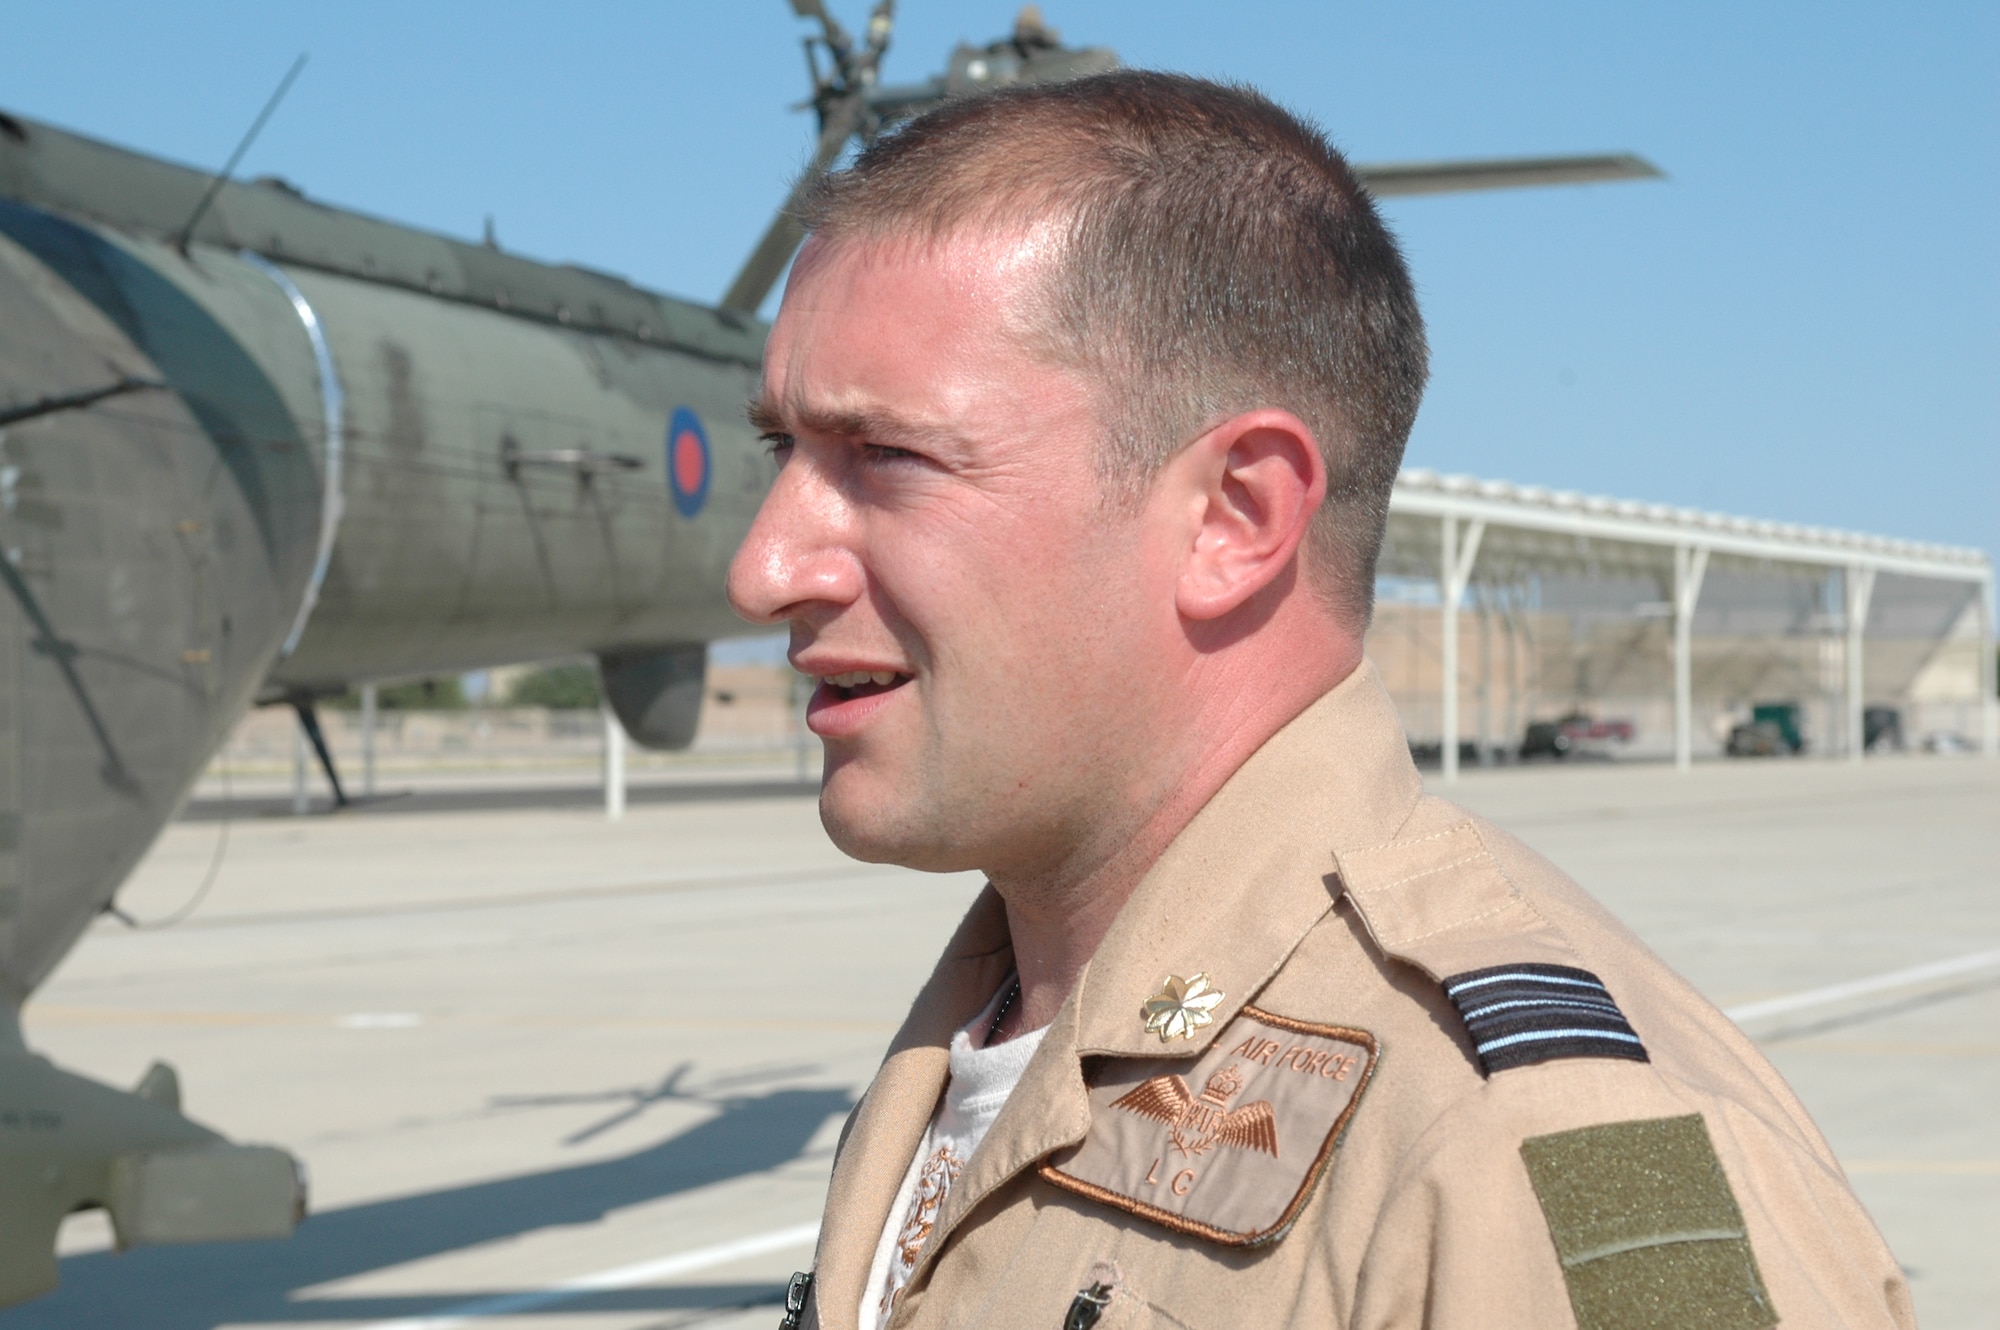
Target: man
1087,401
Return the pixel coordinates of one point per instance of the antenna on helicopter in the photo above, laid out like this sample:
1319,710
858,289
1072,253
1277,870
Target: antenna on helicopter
843,74
186,232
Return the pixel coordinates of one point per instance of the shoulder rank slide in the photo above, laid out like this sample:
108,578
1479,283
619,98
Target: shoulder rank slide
1519,1015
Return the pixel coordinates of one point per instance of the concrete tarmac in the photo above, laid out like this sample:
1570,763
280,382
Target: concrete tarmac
520,1047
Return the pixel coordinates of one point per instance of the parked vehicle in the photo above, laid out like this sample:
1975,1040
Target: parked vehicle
1882,728
1432,754
1775,729
1578,731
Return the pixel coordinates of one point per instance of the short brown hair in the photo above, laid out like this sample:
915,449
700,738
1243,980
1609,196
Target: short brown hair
1220,256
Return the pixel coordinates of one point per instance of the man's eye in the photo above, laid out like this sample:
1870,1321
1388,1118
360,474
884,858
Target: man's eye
777,445
876,452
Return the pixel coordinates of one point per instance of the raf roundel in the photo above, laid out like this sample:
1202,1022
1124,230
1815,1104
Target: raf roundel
688,463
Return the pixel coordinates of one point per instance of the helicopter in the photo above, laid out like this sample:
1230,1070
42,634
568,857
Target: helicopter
256,449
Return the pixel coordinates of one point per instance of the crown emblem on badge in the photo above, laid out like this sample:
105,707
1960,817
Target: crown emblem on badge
1222,1086
1181,1007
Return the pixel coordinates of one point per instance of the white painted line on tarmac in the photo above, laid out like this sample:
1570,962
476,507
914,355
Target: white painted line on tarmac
624,1276
380,1020
1908,978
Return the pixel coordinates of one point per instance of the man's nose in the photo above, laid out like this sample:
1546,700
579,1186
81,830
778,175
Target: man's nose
798,553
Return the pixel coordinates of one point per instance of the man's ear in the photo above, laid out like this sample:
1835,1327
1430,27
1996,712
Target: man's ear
1250,487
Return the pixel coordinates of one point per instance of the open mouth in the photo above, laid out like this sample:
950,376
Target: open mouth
863,683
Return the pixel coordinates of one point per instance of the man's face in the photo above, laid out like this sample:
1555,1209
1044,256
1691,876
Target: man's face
976,612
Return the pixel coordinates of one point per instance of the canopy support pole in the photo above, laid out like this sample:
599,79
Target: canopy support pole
1989,666
1455,560
1860,585
1690,567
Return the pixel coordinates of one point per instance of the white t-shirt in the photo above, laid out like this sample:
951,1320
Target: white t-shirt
981,1080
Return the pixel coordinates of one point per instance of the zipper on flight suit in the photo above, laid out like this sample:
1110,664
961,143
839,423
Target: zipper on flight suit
1087,1306
796,1294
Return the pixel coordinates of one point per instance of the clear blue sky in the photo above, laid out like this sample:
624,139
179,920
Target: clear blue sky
1803,322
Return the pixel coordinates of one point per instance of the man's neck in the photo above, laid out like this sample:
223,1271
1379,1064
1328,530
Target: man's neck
1056,929
1057,918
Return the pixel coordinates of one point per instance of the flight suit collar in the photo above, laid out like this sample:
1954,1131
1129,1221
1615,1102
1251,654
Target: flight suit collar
1253,871
889,1124
1232,897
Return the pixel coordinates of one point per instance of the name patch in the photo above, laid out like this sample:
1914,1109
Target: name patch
1226,1148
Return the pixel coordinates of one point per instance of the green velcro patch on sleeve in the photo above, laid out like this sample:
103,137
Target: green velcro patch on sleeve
1648,1231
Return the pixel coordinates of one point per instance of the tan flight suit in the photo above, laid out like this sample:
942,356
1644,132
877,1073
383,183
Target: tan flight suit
1339,1154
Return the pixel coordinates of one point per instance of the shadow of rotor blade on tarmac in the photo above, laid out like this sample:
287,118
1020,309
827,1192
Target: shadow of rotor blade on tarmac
205,1287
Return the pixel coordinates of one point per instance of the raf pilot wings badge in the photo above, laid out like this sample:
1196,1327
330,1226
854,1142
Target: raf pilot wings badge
1235,1162
1197,1125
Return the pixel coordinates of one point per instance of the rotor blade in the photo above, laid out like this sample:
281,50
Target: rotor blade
760,272
1395,179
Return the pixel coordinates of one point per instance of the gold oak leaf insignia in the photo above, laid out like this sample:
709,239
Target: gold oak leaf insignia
1181,1007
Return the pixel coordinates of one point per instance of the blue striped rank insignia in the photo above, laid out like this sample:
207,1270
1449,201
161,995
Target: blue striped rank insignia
1519,1015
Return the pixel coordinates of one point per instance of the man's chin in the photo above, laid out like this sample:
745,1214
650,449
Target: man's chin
885,826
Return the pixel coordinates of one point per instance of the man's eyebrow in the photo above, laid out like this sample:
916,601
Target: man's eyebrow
764,417
865,426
